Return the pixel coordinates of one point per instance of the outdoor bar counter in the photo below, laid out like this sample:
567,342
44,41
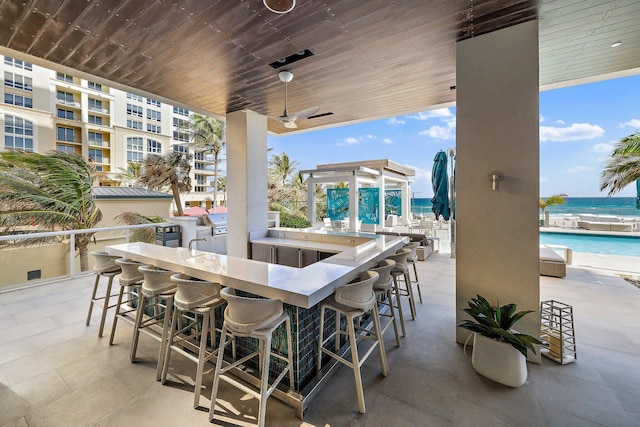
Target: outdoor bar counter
301,289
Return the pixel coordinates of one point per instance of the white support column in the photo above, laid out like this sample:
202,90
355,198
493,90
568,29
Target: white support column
353,202
246,179
497,109
380,184
406,203
311,200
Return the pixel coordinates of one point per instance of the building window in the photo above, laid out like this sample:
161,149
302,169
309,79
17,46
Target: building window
18,82
199,166
181,111
18,133
95,155
64,77
95,86
154,146
65,134
134,97
153,128
198,156
99,169
134,149
199,189
180,136
96,120
180,148
134,110
153,102
64,114
153,115
199,179
134,124
95,138
18,63
65,148
18,100
95,105
65,97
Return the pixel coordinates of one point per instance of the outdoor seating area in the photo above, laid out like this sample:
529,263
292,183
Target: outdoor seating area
552,263
603,223
55,371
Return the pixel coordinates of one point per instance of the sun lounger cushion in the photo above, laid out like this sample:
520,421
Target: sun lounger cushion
551,263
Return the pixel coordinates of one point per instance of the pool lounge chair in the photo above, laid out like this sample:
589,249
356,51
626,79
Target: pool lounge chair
603,223
552,263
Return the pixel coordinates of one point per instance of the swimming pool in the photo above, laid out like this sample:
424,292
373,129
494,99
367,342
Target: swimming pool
597,244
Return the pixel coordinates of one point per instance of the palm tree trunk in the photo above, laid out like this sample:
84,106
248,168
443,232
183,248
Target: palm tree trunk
176,198
84,257
215,181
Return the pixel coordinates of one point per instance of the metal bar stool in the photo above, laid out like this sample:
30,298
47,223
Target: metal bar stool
199,297
130,277
382,288
256,318
157,286
353,300
412,259
105,266
402,270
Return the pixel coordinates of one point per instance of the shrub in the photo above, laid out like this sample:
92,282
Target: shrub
293,221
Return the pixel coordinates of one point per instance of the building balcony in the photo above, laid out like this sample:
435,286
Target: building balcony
68,103
98,110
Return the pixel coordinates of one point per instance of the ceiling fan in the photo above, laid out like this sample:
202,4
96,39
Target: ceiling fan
289,121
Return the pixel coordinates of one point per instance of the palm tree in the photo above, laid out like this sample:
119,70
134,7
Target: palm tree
170,170
132,173
52,191
556,199
221,185
282,167
623,166
141,234
207,136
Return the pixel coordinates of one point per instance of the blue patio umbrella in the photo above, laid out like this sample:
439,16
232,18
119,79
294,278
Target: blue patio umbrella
638,193
440,183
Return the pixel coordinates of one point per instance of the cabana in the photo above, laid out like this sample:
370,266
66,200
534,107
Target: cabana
376,189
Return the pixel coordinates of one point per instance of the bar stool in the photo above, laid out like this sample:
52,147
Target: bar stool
412,259
257,318
199,297
382,288
105,266
353,300
402,270
157,286
132,278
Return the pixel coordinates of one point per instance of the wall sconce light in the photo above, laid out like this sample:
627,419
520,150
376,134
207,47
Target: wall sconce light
495,179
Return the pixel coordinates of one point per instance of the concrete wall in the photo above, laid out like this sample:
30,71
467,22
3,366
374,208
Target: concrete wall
497,130
111,208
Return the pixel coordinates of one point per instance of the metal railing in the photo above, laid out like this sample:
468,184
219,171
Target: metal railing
72,233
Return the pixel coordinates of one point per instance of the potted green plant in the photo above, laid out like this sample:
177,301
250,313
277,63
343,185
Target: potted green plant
499,352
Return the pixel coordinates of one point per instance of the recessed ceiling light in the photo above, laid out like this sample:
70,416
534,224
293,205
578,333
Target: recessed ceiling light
616,44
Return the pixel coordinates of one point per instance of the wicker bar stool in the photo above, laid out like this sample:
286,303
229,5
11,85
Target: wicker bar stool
382,288
157,286
130,277
199,297
353,300
412,259
107,267
257,318
402,270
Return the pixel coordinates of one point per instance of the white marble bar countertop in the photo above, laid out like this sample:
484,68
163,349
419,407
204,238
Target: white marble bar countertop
302,287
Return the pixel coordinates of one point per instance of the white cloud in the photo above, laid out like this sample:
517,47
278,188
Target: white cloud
396,121
426,115
575,132
442,132
541,119
387,141
370,136
351,140
560,122
579,169
635,123
544,179
602,148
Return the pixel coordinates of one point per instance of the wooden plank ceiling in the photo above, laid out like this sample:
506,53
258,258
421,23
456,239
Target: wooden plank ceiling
372,59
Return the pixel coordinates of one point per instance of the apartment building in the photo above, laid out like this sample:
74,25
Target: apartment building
45,110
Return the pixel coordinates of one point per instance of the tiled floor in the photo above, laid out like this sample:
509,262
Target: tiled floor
54,371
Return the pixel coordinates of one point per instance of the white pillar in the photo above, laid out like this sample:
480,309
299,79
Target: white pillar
311,200
406,203
497,110
353,202
246,179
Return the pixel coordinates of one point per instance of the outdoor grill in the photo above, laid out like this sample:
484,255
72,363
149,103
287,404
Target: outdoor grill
217,222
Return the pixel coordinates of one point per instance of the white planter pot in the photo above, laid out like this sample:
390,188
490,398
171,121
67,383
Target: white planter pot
498,361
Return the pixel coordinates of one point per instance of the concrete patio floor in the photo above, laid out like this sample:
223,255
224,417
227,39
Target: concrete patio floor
55,371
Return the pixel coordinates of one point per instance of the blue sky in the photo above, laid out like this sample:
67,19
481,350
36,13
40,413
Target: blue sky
578,127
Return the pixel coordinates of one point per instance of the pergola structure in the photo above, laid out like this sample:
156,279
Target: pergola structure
381,175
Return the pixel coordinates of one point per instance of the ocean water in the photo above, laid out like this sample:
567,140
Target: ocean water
619,206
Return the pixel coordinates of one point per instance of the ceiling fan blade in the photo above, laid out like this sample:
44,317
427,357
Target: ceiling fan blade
290,125
305,113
